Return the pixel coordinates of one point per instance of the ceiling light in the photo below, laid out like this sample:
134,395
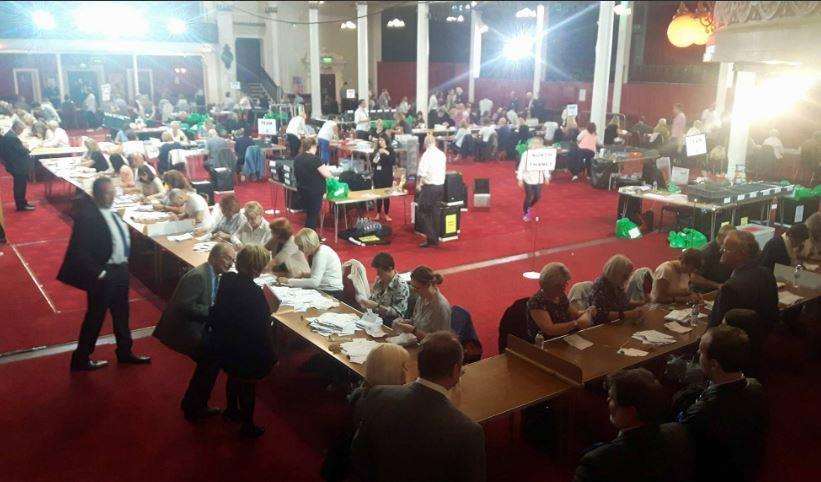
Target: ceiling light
518,47
621,9
176,26
396,23
526,13
348,25
43,20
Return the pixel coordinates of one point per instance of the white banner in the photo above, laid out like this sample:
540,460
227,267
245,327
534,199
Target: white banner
105,92
572,110
696,145
267,127
543,159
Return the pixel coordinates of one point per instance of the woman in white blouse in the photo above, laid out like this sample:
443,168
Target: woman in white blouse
326,269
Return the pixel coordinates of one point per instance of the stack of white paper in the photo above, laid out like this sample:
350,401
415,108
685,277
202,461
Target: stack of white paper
403,339
372,324
787,298
578,342
681,315
653,337
675,327
181,237
327,324
303,299
358,350
632,352
201,247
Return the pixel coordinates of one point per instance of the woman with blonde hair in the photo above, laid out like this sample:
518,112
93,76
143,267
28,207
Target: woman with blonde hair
326,268
609,296
549,310
662,130
241,336
94,157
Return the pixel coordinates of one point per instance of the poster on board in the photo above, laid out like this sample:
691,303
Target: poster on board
543,159
105,92
350,94
235,85
572,110
582,95
267,127
696,145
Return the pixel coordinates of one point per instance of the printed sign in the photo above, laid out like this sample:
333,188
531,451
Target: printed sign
267,127
680,176
541,159
582,95
450,223
105,92
350,94
696,145
235,85
572,110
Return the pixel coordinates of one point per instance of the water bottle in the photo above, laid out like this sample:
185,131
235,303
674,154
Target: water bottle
694,312
539,342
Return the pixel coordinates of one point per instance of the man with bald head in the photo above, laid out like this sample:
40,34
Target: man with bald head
750,286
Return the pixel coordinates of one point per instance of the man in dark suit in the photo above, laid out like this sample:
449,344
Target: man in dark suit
727,423
413,432
750,286
644,450
785,249
18,164
96,262
182,323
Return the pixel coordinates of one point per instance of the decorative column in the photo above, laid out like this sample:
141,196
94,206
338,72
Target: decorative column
375,52
362,50
475,53
211,74
422,50
622,55
271,43
743,101
538,50
725,80
601,73
135,67
61,86
226,50
313,55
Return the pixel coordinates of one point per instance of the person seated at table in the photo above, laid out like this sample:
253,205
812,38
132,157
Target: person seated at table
713,273
383,161
378,130
588,143
401,125
644,450
419,121
56,135
132,145
326,269
787,248
122,135
94,156
127,180
148,182
242,141
640,286
177,134
255,229
728,422
413,431
662,130
385,365
549,311
241,336
190,205
568,131
812,248
507,139
390,293
137,159
750,286
214,144
432,310
463,140
228,218
172,179
609,296
286,256
641,129
168,145
671,281
613,132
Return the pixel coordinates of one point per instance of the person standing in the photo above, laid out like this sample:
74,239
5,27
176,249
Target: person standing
328,132
295,131
383,161
362,120
430,187
183,322
96,262
679,127
311,174
18,164
531,177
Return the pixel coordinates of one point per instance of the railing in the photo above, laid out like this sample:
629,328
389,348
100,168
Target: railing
270,86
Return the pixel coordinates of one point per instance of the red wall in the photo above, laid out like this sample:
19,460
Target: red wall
652,100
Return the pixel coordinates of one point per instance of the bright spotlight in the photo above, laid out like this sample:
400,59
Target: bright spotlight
526,13
43,20
176,26
110,20
776,95
518,47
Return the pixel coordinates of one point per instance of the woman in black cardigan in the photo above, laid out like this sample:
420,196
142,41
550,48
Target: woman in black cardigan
242,337
383,161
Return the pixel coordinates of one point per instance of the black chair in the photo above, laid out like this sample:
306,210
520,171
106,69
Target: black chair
514,322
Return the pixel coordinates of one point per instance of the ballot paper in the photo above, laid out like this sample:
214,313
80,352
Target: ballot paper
372,324
404,339
266,279
681,315
578,342
709,305
787,298
181,237
632,352
358,350
327,324
303,299
674,326
810,266
202,247
653,337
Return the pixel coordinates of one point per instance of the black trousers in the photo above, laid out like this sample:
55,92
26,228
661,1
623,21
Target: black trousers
293,144
581,161
312,202
20,186
363,135
427,199
533,192
108,294
241,397
202,383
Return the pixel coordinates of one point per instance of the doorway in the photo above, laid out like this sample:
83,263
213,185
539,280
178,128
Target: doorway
249,58
327,89
81,82
27,84
146,79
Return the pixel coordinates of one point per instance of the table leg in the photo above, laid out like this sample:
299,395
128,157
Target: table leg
336,223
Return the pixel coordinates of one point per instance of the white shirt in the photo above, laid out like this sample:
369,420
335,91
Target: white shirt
360,117
326,131
433,386
196,204
433,103
247,234
485,105
403,107
56,138
178,136
296,126
432,168
131,147
512,118
486,132
775,143
326,272
117,241
550,130
529,176
460,136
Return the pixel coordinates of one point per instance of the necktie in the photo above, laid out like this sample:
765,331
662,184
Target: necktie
215,281
126,247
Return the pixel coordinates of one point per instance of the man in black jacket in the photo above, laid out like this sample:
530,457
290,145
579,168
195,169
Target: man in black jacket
643,451
785,249
96,262
727,423
18,164
182,324
750,286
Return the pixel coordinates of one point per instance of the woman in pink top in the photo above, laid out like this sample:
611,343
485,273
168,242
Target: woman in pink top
587,141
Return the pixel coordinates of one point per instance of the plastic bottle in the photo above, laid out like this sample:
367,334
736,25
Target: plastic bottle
539,341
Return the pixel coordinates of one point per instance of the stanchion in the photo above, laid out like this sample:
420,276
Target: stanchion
533,274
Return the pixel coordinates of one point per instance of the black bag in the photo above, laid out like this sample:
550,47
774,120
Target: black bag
355,181
600,172
222,179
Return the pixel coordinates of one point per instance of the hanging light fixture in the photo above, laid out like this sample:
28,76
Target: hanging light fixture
706,26
526,13
682,27
348,25
396,23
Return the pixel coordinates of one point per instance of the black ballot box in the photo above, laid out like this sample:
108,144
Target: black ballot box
792,211
447,218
